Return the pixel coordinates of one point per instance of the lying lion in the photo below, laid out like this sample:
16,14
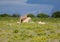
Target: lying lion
25,19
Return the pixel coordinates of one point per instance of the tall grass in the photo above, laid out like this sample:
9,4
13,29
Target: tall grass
11,31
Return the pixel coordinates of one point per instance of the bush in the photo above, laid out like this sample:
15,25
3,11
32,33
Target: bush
42,15
16,15
56,14
31,15
4,15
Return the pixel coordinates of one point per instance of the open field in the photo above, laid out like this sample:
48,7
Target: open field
11,31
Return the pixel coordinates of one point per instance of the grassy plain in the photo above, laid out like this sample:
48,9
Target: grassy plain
11,31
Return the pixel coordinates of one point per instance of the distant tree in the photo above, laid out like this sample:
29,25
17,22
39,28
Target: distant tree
42,15
56,14
31,15
4,15
16,15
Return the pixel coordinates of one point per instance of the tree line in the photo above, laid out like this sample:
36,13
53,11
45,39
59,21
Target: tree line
40,15
9,15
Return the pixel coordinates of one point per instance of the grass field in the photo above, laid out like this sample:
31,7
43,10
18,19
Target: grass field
11,31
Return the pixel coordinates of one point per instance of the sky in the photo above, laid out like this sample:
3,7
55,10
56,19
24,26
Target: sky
29,6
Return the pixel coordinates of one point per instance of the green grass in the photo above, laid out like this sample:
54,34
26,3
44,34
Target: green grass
11,31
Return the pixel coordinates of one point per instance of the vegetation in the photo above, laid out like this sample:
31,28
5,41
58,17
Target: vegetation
11,31
31,15
4,15
8,15
56,14
16,15
41,15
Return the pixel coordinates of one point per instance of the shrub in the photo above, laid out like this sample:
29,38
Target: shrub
42,15
4,15
31,15
56,14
